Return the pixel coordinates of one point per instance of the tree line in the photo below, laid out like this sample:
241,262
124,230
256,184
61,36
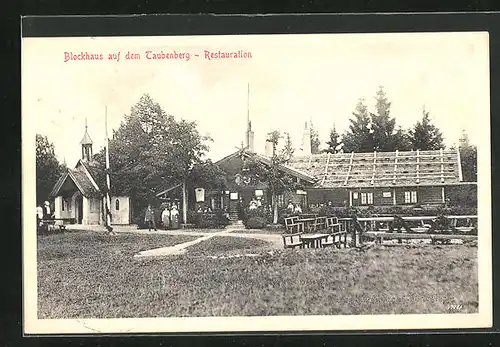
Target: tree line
378,131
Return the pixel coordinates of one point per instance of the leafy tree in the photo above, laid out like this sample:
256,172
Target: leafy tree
288,149
424,135
315,142
150,148
334,141
359,136
386,137
270,173
48,168
468,158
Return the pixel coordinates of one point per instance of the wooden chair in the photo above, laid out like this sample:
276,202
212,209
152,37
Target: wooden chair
319,224
292,225
337,237
292,240
333,225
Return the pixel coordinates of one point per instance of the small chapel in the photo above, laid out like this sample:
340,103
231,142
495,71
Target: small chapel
79,194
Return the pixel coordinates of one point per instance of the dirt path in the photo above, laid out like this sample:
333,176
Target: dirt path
232,230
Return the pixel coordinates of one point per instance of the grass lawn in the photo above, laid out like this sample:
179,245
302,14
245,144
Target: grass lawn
85,275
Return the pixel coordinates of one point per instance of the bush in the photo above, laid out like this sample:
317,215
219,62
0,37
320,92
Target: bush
209,220
256,223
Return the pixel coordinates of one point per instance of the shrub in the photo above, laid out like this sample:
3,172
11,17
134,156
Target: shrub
209,220
256,222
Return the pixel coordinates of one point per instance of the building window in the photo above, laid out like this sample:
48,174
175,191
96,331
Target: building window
366,198
63,202
117,204
411,197
281,200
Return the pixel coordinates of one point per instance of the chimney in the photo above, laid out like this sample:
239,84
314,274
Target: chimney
306,141
269,148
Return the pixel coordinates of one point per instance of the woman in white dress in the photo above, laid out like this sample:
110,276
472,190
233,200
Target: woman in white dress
165,217
174,217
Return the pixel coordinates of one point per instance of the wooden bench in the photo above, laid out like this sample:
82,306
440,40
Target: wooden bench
292,240
50,224
292,225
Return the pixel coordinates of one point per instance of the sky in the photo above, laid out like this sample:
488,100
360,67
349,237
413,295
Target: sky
293,79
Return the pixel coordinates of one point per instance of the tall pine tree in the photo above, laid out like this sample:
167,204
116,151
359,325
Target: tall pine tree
359,136
288,149
386,136
425,136
315,142
468,158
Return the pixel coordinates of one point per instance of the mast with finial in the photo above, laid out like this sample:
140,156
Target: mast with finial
108,180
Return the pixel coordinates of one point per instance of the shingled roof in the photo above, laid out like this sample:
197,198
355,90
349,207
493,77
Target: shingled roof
381,169
81,181
80,177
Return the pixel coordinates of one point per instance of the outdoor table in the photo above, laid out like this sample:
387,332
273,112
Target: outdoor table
307,222
313,239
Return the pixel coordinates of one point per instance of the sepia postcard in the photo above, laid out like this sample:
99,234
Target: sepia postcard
246,183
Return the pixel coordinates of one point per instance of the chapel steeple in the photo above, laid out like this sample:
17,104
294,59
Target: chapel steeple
86,144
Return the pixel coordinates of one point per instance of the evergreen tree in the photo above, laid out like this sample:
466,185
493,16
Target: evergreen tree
424,135
385,135
468,158
315,142
288,149
359,136
334,141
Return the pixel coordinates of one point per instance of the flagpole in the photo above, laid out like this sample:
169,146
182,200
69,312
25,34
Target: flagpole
108,181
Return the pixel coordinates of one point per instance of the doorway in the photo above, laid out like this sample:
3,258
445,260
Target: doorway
79,209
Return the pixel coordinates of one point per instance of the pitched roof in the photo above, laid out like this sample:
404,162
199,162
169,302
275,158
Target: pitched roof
379,169
267,161
80,179
96,171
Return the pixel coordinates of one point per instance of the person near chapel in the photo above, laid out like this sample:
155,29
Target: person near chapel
46,210
174,217
165,217
149,218
290,208
39,215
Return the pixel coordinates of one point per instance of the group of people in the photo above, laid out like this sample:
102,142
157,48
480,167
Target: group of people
169,217
254,204
43,213
293,208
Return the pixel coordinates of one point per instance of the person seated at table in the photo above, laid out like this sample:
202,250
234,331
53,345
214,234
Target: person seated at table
290,208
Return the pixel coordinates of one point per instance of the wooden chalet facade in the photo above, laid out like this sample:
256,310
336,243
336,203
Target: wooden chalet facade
384,178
